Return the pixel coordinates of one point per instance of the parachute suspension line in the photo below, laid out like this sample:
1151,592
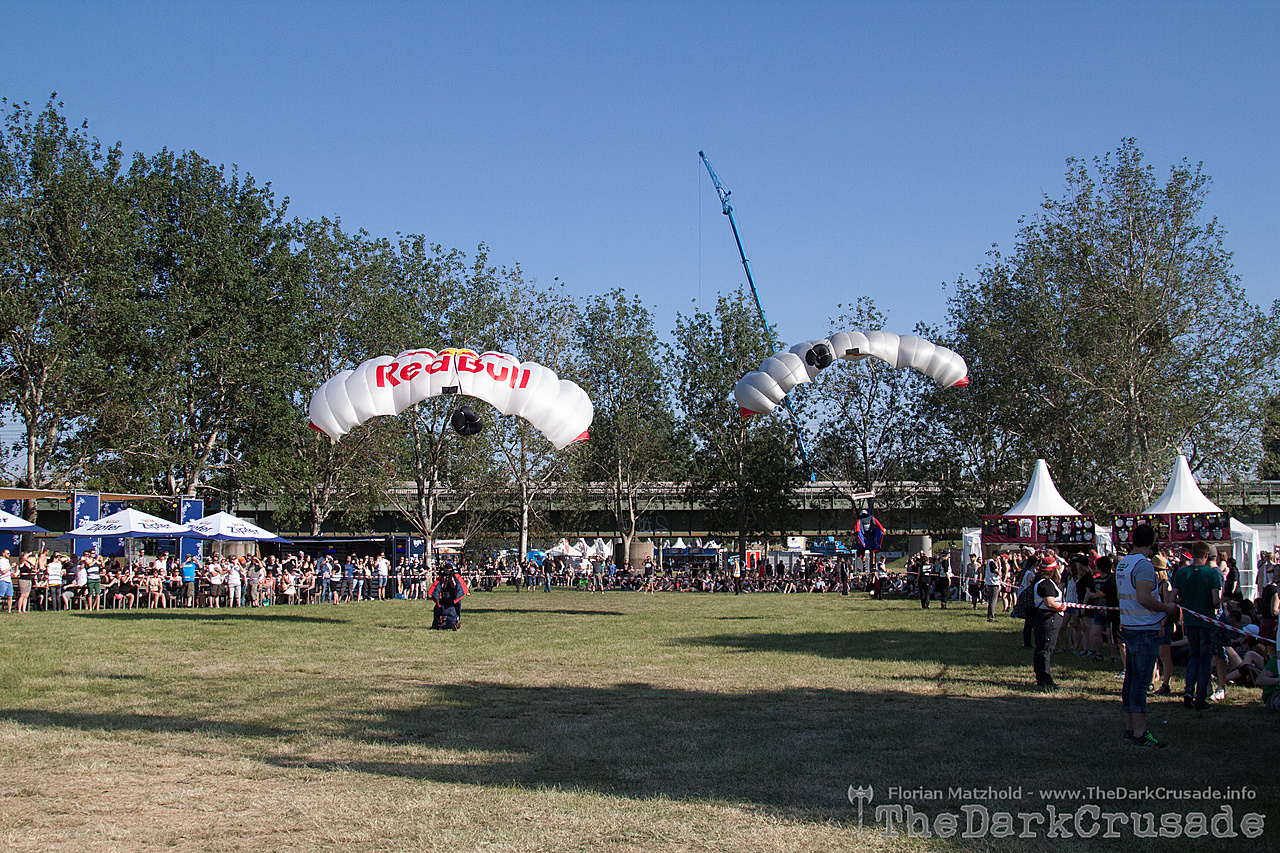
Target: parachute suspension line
769,339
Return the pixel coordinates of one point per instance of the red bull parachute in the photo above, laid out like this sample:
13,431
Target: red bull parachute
387,385
761,390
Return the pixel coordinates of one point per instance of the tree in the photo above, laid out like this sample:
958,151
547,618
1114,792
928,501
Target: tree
453,304
744,471
1117,335
865,415
633,441
211,312
347,282
66,244
1269,466
537,324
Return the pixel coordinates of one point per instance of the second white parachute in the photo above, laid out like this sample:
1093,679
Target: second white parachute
388,385
760,391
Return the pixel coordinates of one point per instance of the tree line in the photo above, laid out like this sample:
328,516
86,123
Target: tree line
164,322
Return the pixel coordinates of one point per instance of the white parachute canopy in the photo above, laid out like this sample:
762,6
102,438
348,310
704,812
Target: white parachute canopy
760,391
388,385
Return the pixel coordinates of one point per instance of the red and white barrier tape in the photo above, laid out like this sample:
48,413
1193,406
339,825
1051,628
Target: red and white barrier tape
1231,628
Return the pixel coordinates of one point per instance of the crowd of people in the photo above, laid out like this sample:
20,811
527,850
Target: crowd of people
1143,611
1155,609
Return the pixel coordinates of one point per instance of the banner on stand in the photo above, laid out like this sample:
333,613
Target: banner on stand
189,510
84,509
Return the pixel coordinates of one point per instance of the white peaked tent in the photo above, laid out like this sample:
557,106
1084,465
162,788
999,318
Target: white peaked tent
1182,494
1041,496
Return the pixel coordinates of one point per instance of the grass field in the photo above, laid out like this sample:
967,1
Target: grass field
568,721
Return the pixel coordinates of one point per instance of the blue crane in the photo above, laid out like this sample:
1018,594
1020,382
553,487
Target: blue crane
769,338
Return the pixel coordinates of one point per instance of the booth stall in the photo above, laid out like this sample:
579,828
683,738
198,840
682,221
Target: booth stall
1183,514
1041,517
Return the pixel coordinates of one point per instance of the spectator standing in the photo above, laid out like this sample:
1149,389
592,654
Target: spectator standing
6,580
189,567
942,579
991,586
1198,589
234,582
53,581
348,578
1047,610
383,571
1141,613
973,580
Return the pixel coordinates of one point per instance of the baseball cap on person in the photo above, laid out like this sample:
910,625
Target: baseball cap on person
1048,562
1251,629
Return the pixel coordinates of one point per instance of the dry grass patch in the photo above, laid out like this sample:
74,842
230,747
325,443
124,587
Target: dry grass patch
557,721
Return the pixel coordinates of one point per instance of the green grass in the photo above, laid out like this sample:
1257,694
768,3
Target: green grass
566,721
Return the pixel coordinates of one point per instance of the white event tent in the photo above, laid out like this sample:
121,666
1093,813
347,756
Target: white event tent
1183,495
1042,498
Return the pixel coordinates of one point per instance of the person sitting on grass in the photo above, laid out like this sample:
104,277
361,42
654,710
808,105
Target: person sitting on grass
1268,678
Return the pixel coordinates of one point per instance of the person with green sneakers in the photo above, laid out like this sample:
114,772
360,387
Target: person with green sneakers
1141,613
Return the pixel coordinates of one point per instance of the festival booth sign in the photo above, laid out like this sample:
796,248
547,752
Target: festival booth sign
1041,517
1183,514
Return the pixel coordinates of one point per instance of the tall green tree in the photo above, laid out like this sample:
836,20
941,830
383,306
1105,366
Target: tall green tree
1269,466
744,471
865,420
633,442
211,311
537,323
348,290
1117,335
66,257
455,302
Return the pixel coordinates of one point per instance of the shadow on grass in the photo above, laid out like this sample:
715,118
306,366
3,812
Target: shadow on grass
792,751
777,749
552,610
126,722
950,648
204,615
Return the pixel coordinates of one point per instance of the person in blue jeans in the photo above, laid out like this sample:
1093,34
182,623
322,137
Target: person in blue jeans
1197,588
1141,612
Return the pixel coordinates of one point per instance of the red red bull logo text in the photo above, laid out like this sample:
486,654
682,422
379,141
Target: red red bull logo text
500,366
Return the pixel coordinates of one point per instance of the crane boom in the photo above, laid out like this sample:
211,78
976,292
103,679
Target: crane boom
769,339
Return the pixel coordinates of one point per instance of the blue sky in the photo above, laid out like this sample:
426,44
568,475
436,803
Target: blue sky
873,149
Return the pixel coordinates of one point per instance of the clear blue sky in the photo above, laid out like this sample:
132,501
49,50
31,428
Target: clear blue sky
872,149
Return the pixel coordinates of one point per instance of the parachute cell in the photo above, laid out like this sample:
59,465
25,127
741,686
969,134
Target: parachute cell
388,385
761,390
